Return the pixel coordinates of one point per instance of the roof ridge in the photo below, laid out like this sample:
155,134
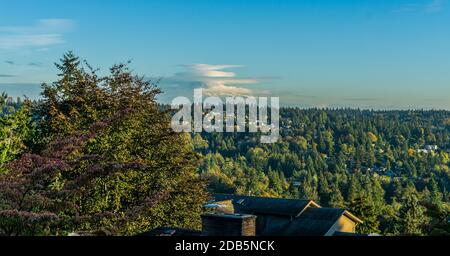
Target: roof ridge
266,205
273,198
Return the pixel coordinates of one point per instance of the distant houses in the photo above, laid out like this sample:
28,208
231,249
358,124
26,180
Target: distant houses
427,149
382,171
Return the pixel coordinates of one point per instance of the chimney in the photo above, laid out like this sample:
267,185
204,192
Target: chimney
220,224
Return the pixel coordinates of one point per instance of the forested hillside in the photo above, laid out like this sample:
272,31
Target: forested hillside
97,155
391,168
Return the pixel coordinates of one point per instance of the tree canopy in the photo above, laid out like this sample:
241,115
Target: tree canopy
105,160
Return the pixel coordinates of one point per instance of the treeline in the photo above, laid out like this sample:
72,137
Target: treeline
391,168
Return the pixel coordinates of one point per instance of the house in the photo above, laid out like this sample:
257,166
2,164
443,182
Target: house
291,217
431,147
427,149
234,215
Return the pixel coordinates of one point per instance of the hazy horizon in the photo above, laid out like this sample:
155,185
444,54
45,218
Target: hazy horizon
32,91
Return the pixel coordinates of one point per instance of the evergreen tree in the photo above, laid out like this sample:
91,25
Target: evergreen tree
354,189
364,209
435,195
336,198
411,216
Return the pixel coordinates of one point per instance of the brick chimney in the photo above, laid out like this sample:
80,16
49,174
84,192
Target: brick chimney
220,224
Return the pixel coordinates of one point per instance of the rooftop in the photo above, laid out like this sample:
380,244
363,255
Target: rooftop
263,205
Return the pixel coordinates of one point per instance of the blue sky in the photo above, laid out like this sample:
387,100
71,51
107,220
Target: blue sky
368,54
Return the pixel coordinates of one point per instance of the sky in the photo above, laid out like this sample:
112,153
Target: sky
317,53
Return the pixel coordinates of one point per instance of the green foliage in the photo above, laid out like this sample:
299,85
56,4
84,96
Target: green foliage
336,198
364,209
412,217
121,169
16,129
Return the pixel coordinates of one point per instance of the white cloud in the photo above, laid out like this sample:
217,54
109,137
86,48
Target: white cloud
43,33
6,76
433,6
407,8
20,41
215,80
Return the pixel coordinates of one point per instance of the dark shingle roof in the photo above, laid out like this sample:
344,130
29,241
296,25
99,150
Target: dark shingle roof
332,214
270,206
328,214
317,221
287,217
312,222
